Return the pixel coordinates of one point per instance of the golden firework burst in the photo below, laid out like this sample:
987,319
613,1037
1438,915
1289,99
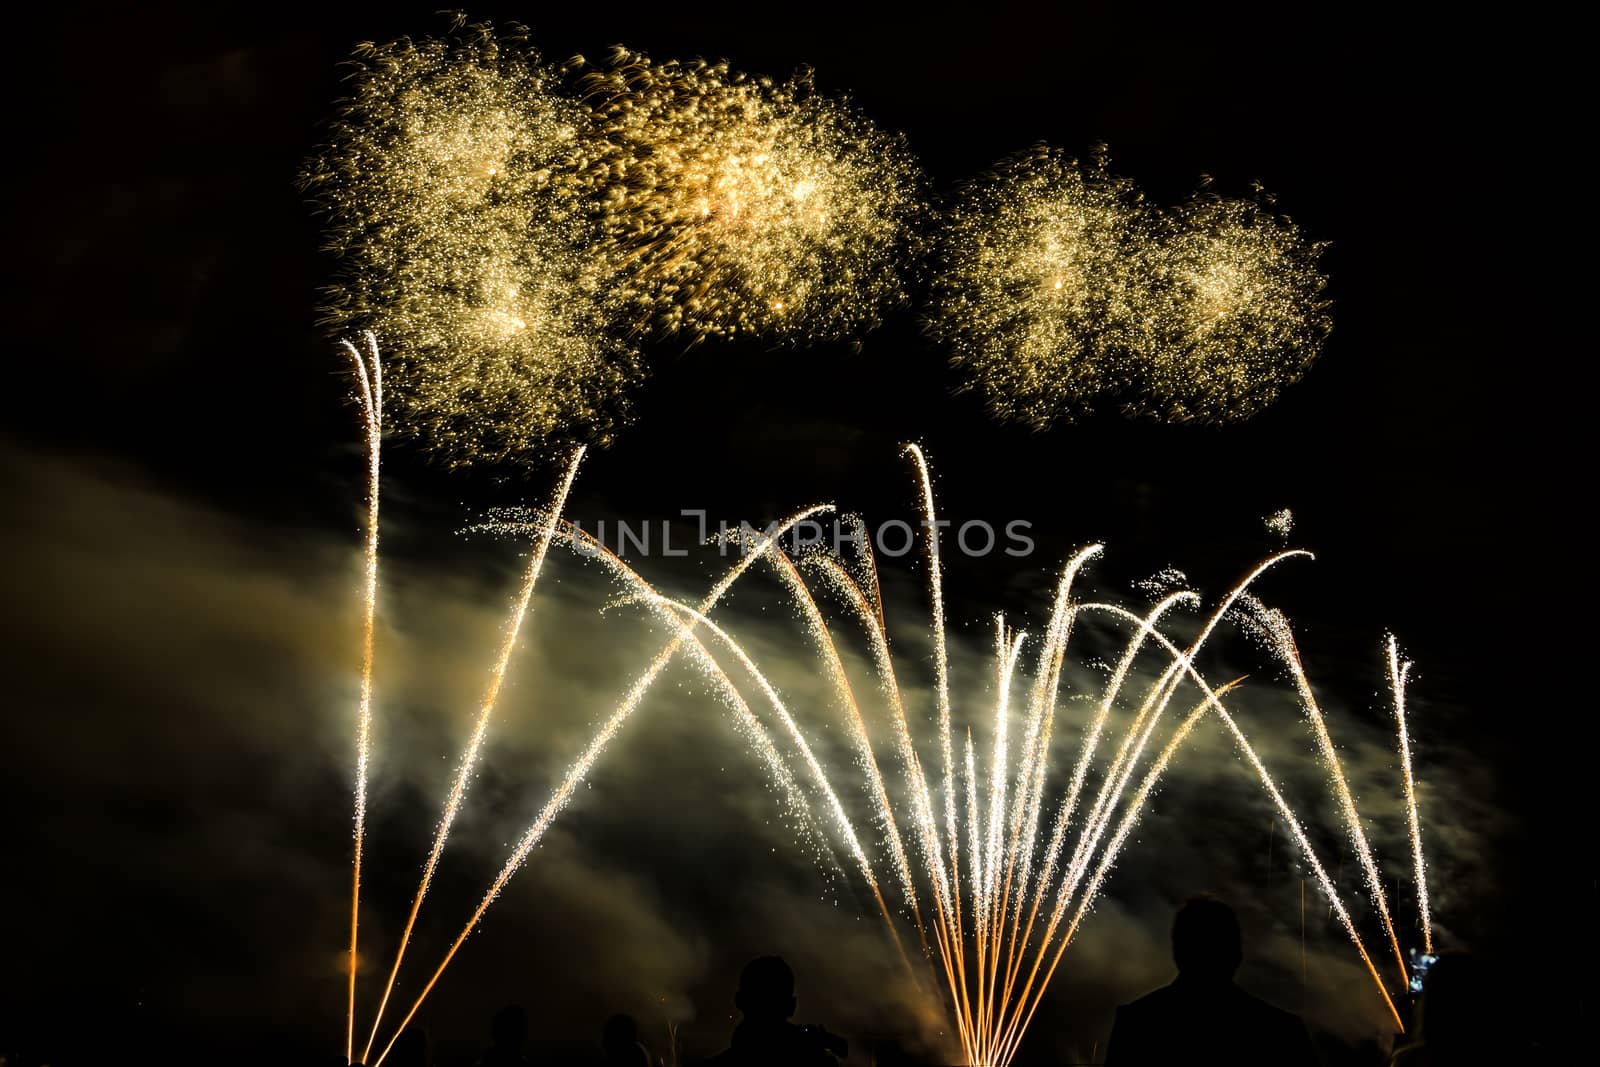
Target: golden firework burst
451,186
736,206
1060,288
1038,295
1239,313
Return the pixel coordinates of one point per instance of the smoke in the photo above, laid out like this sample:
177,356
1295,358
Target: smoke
182,690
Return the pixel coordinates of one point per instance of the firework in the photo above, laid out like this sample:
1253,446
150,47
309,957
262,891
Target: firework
735,206
369,397
469,758
449,185
984,931
1399,673
995,901
1039,296
1237,311
579,771
1060,289
1274,627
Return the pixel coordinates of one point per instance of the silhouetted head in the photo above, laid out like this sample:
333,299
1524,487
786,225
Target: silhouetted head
619,1033
766,990
510,1027
1205,940
410,1049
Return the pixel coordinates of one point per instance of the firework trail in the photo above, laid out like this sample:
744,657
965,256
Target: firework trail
1284,810
841,818
836,808
995,955
941,656
869,611
734,206
817,628
1280,635
369,398
1011,1036
1399,671
1080,770
1116,778
469,758
451,190
597,745
983,1000
984,932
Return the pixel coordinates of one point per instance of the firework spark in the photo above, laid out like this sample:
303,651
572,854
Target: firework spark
734,205
1038,297
1238,312
449,185
1059,288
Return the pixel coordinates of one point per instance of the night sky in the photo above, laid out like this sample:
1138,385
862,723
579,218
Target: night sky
182,481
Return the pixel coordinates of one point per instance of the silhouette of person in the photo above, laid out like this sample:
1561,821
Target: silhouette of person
619,1041
1461,1016
1203,1017
508,1032
765,1037
411,1050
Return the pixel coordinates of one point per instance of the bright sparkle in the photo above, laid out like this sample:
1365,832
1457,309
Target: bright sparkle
733,205
1060,289
449,184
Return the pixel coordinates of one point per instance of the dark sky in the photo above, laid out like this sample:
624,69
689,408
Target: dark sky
164,275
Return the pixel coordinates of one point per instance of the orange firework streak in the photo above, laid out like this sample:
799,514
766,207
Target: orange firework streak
586,761
469,759
992,1001
369,382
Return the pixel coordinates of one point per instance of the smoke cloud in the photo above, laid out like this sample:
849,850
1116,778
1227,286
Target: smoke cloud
182,688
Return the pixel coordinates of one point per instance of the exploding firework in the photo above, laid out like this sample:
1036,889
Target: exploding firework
449,184
1039,295
1060,288
733,205
1239,313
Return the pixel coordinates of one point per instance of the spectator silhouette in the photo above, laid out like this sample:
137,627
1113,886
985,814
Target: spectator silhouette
508,1032
410,1050
1203,1017
765,1037
1462,1019
619,1041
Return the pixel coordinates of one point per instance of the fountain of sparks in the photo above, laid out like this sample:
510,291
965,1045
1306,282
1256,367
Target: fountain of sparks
994,872
990,863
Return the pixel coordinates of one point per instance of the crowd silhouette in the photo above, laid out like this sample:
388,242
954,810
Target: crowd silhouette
1201,1017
